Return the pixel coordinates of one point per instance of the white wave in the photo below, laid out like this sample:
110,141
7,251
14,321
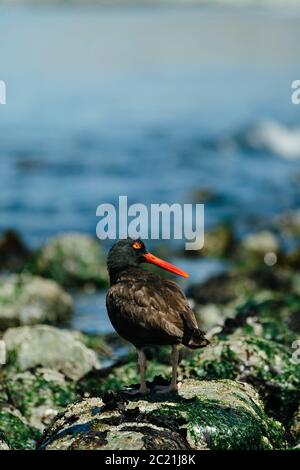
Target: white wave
273,137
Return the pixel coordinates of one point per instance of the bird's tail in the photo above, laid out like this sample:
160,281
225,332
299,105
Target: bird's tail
197,340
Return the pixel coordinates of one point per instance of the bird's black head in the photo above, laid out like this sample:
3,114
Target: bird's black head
124,254
129,253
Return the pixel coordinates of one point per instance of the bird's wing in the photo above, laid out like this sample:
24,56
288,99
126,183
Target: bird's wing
159,305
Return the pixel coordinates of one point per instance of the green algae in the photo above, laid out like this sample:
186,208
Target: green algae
267,315
28,391
219,414
265,364
228,428
16,433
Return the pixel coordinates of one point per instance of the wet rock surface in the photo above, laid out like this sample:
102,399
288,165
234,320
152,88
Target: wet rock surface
73,260
27,300
266,315
49,347
204,415
265,364
40,379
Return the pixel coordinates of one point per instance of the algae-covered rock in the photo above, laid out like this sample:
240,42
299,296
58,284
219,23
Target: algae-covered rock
3,445
94,341
267,315
39,395
221,296
236,285
27,300
15,432
72,259
263,363
49,347
259,248
204,415
261,243
119,377
218,242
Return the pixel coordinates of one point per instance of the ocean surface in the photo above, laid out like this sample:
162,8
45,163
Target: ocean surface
156,103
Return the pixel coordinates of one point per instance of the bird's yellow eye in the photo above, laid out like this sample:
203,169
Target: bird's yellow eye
136,245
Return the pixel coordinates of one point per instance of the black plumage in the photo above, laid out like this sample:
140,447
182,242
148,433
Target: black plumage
147,309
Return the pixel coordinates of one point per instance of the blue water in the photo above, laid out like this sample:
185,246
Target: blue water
110,101
134,101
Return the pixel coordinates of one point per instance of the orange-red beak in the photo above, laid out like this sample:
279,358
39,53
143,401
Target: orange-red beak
164,265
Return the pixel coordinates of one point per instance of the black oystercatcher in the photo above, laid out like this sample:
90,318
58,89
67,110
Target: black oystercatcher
147,309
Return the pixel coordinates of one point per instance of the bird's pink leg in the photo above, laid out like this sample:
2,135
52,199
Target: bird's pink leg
173,387
143,390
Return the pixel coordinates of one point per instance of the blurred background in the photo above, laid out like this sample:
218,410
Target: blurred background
160,101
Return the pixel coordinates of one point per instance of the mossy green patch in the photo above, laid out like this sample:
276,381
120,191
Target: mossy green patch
28,391
265,364
15,432
268,315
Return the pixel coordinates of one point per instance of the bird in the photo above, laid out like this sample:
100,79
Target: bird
147,309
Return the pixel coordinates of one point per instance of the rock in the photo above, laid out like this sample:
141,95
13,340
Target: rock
258,249
268,315
289,223
118,377
261,242
295,428
218,242
211,318
204,415
13,251
94,341
15,433
236,285
205,195
265,364
3,445
49,347
26,300
220,289
39,395
73,260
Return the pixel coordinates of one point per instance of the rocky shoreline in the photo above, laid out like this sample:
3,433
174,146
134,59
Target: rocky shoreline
242,392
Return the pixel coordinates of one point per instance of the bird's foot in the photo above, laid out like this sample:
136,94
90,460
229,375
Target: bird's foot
160,389
138,391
